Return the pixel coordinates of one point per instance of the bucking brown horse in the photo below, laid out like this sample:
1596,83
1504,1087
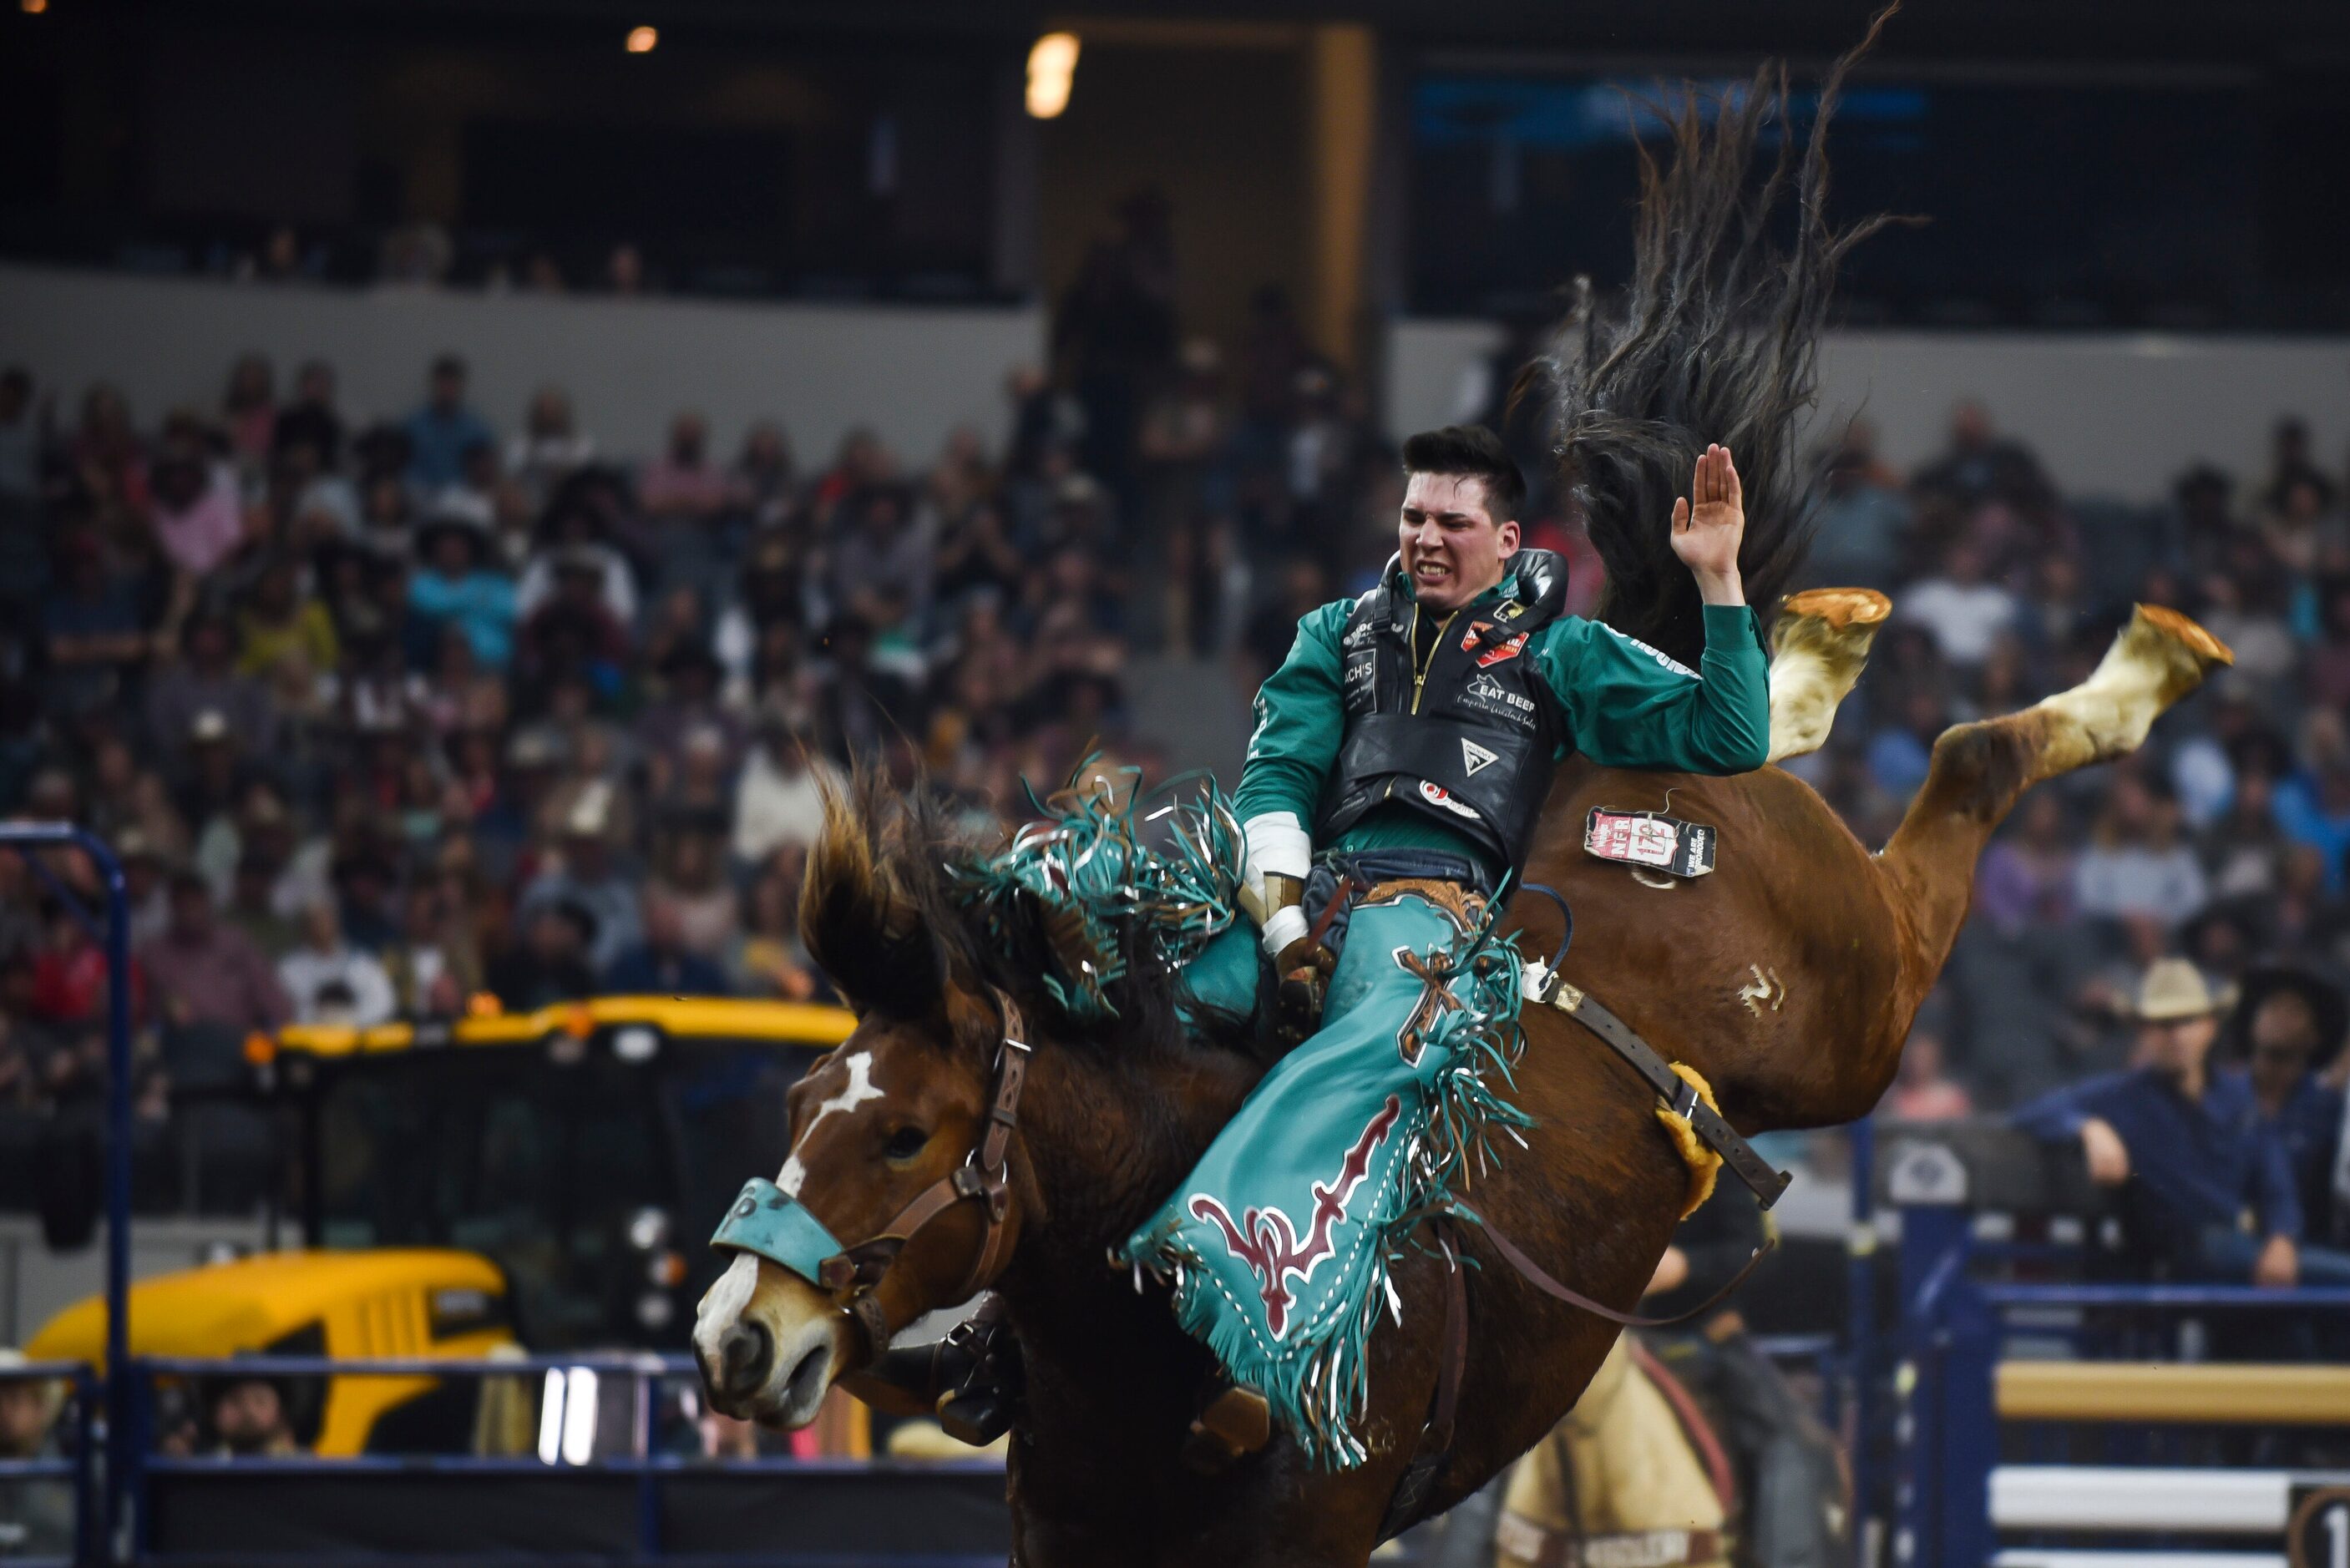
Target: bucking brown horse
1788,977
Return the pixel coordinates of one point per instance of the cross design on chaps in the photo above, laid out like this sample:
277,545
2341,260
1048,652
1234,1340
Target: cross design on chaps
1266,1239
1436,1000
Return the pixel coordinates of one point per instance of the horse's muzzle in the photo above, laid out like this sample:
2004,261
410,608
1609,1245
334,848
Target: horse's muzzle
746,1354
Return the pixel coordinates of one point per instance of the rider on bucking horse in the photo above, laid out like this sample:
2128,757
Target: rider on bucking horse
1401,756
1384,731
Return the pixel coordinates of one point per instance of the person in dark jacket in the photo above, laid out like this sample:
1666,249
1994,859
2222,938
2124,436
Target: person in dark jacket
2192,1144
662,965
550,962
2287,1031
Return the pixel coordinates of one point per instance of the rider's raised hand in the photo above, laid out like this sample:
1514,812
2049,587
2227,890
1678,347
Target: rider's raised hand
1709,524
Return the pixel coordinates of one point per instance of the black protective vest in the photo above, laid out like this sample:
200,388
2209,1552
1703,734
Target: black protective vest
1470,739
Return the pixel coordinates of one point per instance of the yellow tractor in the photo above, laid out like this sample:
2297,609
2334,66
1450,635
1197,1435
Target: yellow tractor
537,1179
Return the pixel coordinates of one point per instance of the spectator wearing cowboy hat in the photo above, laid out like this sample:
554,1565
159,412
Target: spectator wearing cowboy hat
2191,1143
591,879
2287,1031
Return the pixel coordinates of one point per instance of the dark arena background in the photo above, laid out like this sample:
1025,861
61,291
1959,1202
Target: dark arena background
475,474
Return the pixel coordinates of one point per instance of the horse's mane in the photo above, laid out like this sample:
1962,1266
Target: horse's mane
1712,340
886,911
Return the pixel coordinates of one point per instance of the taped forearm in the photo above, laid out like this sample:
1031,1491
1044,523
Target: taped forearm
1279,854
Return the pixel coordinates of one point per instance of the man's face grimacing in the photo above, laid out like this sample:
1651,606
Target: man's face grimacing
1453,548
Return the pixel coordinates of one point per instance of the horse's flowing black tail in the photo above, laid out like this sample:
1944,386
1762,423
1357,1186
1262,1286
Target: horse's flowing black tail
1714,340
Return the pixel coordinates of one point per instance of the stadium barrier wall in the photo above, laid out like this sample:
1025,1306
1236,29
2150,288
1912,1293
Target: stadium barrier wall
912,373
2113,415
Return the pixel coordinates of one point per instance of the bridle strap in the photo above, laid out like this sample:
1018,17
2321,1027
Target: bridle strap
857,1271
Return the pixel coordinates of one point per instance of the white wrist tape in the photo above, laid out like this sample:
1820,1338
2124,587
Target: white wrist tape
1277,847
1287,925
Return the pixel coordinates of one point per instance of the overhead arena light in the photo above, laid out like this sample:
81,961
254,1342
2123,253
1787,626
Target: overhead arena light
1052,68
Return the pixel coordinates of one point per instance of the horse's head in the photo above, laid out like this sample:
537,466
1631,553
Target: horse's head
887,1207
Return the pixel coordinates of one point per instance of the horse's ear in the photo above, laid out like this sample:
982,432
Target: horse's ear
860,925
971,1017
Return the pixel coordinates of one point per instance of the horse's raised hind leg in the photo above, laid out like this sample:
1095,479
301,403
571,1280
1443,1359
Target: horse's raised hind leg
1980,769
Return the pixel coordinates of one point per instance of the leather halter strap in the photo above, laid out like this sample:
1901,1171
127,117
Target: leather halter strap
856,1273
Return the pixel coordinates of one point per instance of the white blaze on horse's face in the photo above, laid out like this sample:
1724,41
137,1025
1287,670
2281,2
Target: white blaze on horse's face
858,1091
770,1342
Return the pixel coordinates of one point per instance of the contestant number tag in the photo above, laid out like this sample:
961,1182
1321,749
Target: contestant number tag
1650,839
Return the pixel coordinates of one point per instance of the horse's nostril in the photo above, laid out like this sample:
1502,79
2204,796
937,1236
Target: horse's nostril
745,1355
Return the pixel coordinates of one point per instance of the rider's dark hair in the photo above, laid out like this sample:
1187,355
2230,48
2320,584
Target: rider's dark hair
1712,340
1475,452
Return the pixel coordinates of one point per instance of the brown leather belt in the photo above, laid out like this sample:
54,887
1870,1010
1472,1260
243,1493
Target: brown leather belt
1521,1541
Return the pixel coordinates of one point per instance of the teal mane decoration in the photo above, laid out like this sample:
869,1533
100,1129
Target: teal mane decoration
1091,866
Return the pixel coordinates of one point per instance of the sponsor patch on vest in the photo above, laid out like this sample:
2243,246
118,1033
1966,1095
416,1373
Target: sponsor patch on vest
1475,757
1488,695
1509,648
1441,798
1652,840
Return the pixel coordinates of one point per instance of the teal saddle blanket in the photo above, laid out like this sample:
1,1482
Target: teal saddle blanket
1278,1245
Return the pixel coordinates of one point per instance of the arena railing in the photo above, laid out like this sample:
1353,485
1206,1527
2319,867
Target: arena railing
111,929
72,1473
2049,1423
596,1478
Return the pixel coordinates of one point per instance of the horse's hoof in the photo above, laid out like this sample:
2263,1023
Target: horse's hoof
1236,1423
2201,645
1841,607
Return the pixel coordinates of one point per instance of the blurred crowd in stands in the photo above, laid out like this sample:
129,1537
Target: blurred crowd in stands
383,713
2158,945
386,713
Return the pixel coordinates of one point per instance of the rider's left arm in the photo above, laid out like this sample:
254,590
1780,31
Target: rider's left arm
1629,706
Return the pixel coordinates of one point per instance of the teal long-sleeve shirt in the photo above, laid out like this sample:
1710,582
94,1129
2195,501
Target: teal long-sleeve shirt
1625,705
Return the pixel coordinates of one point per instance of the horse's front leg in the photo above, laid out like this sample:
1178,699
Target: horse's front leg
1269,1510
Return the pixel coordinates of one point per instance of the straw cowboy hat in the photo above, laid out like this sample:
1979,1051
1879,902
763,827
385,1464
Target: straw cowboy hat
2173,990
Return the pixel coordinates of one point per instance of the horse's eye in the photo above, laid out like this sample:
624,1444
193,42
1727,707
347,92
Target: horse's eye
906,1143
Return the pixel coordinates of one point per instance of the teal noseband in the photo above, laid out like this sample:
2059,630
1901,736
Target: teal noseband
766,1222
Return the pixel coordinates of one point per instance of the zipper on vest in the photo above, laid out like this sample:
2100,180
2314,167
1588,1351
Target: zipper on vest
1436,645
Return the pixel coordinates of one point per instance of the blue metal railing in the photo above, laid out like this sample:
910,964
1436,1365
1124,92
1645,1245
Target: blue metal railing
1953,1328
114,934
76,1469
643,1460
